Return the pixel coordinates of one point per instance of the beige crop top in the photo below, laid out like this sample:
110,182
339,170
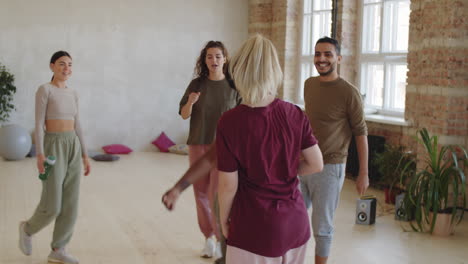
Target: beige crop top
56,103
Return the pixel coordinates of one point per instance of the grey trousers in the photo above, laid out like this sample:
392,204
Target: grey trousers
322,191
60,192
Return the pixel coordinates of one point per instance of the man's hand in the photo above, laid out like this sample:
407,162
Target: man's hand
362,182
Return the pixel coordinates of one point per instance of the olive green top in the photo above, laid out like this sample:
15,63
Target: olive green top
216,97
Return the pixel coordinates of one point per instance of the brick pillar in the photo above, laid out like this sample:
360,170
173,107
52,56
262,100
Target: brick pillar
437,90
260,17
291,50
278,21
278,35
347,35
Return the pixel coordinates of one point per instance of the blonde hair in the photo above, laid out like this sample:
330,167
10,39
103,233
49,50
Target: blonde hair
255,70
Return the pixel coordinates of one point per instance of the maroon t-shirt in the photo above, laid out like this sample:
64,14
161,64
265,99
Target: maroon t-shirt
268,215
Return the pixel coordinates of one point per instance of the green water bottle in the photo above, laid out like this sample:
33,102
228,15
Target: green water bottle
48,163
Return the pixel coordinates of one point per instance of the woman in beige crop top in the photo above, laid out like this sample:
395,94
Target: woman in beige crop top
58,133
57,109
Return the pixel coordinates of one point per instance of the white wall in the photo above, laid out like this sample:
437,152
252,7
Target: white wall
132,59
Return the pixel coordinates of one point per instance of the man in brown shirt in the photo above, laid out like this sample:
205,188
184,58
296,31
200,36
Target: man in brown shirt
335,111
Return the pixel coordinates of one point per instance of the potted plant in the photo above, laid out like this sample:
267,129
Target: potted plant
7,90
436,192
390,164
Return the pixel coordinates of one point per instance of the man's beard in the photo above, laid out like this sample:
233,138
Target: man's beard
327,72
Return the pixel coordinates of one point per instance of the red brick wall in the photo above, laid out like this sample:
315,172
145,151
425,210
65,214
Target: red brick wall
394,135
437,84
437,90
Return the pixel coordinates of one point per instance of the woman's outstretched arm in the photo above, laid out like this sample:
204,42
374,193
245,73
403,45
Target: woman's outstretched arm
201,168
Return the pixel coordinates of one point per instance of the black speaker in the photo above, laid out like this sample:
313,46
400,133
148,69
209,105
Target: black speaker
400,213
366,208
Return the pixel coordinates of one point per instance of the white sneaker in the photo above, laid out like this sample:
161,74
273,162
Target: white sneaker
61,256
218,253
209,249
25,243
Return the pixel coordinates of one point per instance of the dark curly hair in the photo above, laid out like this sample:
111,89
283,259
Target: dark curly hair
201,69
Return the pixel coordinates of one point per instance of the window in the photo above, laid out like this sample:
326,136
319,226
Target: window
383,52
316,23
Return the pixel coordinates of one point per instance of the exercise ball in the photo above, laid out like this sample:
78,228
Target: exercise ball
15,142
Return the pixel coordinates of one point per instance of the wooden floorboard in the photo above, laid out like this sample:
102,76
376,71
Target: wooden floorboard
122,220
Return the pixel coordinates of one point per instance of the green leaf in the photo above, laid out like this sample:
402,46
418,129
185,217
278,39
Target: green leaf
7,90
439,178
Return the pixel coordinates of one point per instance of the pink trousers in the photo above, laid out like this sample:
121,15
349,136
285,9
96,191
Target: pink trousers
205,191
236,255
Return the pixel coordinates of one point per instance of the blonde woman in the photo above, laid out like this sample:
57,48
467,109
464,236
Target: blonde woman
58,132
259,144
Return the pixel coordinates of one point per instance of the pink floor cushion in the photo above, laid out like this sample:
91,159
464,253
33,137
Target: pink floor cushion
117,149
163,142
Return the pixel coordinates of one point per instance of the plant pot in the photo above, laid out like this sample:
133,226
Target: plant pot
443,225
390,195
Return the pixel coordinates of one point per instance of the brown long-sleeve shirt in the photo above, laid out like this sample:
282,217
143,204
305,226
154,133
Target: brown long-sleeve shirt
336,113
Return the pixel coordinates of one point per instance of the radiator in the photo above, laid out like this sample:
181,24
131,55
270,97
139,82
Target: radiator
376,145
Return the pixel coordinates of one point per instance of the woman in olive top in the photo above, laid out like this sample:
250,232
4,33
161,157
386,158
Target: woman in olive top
57,132
206,98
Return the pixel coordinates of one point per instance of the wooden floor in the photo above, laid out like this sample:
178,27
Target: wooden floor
122,220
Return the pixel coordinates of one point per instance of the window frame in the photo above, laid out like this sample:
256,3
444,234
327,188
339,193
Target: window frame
383,57
309,59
